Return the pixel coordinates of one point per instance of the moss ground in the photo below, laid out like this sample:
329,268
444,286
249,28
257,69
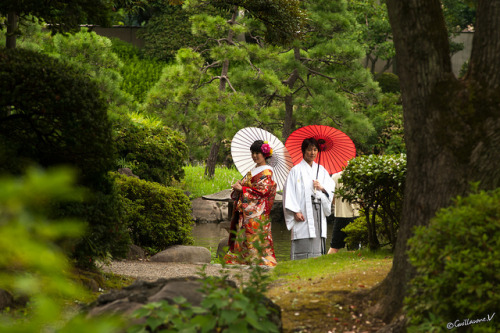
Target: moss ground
325,294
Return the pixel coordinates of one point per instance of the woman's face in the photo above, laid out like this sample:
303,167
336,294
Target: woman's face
258,158
310,154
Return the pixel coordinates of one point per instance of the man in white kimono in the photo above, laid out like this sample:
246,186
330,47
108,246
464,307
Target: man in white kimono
307,201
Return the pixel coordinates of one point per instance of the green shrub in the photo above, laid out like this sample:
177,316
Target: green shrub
357,232
388,82
376,182
463,69
154,152
31,261
51,114
156,216
457,259
139,73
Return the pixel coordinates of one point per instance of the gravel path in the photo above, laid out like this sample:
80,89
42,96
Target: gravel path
151,271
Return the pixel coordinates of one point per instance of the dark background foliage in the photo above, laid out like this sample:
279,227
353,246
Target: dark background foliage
61,123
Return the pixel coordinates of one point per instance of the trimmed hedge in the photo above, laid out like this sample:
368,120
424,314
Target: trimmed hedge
457,258
154,152
157,216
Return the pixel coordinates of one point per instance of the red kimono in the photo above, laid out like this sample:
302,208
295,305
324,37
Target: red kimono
253,242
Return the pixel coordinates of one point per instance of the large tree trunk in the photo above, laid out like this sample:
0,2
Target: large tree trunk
214,151
452,126
12,26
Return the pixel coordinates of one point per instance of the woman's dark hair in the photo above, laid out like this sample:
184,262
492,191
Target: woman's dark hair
309,142
256,148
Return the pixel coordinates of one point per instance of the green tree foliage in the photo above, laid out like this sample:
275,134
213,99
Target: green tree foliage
459,14
375,32
168,30
332,81
387,118
284,20
188,96
61,16
139,73
153,152
376,183
32,263
156,216
64,122
327,82
457,258
93,55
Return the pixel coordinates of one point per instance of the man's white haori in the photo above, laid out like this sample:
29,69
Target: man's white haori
297,198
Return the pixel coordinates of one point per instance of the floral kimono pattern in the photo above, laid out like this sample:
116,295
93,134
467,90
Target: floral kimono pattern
253,242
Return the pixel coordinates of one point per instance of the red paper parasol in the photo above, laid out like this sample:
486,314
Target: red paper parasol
242,157
336,148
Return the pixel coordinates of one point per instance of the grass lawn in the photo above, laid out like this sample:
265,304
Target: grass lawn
198,185
318,295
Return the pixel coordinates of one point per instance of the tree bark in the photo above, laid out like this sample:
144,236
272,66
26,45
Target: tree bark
12,25
290,82
214,151
452,126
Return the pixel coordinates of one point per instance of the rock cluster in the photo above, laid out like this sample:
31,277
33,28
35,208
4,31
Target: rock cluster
127,300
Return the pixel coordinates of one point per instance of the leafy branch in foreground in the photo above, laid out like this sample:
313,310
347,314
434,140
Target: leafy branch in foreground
224,308
32,259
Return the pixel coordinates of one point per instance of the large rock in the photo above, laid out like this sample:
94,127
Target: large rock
6,299
183,253
125,301
222,247
131,298
208,211
136,253
127,172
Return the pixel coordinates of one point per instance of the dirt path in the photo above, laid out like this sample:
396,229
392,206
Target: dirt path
151,271
308,306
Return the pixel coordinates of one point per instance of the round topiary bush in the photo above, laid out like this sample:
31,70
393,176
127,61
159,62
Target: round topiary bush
388,82
156,216
457,258
357,232
155,152
51,114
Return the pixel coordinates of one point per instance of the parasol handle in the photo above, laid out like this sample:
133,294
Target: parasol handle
319,163
321,143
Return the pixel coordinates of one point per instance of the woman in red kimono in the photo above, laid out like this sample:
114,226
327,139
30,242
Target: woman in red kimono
250,239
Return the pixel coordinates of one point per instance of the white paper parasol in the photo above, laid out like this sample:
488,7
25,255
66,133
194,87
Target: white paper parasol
242,157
